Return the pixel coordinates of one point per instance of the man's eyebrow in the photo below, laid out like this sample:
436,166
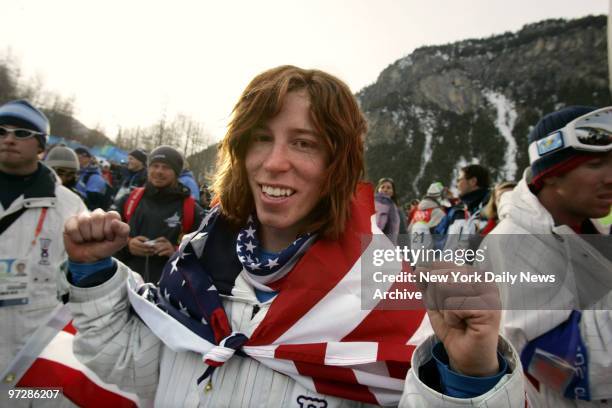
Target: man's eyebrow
295,131
304,131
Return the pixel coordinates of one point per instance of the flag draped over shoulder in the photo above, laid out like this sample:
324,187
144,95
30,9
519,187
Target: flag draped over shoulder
314,331
47,361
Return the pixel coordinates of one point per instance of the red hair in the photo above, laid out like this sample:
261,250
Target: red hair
336,117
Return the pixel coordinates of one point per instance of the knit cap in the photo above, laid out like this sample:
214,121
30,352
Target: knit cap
168,155
20,113
563,160
139,155
62,156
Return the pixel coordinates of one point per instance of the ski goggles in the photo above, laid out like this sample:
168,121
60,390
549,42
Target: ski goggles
590,133
19,133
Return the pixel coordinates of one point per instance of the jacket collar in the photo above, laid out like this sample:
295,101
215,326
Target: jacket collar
44,184
474,198
40,194
178,190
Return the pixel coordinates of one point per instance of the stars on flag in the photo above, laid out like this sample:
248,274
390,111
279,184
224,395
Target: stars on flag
272,263
250,247
174,265
183,309
250,232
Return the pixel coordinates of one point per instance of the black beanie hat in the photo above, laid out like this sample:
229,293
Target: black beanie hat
168,155
83,151
139,155
548,124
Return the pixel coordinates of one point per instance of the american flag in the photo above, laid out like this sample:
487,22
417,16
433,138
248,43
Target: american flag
314,331
47,361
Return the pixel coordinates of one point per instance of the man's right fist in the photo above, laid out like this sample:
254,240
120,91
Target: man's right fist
90,237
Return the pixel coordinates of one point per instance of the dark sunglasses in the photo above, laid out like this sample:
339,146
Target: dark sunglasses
65,173
19,133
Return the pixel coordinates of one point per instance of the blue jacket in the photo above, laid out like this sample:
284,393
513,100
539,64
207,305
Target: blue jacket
93,188
187,179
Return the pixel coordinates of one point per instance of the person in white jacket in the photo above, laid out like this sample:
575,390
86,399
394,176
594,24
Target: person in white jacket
33,209
261,306
563,329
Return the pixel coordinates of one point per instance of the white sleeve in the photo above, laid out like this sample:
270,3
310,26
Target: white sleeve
111,340
596,331
507,393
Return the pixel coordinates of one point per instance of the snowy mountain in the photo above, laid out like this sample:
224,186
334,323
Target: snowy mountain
445,106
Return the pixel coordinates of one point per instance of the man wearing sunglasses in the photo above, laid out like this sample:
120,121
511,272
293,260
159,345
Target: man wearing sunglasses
33,209
563,330
63,160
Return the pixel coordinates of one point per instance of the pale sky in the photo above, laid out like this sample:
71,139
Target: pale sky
126,61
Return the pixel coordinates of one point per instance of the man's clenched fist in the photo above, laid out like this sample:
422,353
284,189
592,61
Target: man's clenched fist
466,318
90,237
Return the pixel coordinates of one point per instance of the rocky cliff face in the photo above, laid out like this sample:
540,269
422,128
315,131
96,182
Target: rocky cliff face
442,107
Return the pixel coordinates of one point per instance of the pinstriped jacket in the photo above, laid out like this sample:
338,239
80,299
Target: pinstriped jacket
114,343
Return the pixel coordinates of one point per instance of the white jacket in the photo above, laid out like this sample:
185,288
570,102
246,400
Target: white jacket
120,348
43,259
544,248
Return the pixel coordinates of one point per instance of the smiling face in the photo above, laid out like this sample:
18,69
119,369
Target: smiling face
285,164
161,175
306,114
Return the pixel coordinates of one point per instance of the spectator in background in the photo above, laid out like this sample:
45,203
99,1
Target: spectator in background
33,208
432,208
411,209
136,176
490,210
91,185
430,211
64,161
387,212
188,180
117,173
159,214
106,172
463,222
204,196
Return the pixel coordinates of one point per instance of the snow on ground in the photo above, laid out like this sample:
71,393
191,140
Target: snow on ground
427,125
505,121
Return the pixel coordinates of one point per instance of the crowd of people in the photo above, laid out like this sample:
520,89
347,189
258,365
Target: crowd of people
473,213
251,297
